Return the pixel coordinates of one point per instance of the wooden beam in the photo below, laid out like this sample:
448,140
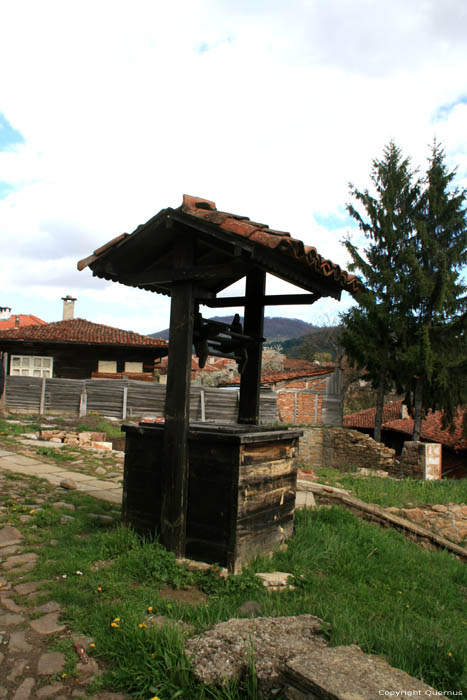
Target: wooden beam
270,300
177,407
198,273
248,409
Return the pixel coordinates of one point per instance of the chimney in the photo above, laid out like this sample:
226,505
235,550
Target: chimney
68,308
404,411
16,321
5,313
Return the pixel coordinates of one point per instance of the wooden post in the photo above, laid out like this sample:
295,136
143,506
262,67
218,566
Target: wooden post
42,399
124,402
3,373
248,410
177,408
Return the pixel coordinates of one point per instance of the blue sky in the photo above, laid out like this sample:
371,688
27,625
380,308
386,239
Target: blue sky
268,108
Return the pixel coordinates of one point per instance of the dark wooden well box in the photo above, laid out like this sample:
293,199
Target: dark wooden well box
241,488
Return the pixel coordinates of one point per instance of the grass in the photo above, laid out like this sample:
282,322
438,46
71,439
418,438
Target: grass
374,588
390,492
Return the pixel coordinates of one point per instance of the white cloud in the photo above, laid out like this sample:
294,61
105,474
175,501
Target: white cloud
269,109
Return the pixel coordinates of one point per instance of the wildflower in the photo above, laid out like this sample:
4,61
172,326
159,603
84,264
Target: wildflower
155,698
449,653
150,608
63,675
31,512
92,645
116,619
114,624
99,589
169,605
79,573
64,575
142,625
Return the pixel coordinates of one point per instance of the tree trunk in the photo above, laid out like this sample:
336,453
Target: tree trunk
418,409
379,407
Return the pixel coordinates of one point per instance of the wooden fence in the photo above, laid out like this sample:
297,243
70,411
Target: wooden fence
125,398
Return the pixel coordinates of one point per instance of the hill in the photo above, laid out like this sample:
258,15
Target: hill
276,328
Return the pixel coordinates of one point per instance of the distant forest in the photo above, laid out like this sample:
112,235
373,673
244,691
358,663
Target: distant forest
292,337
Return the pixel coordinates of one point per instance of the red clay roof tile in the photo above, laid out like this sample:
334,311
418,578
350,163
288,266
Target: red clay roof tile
432,429
274,240
23,320
80,331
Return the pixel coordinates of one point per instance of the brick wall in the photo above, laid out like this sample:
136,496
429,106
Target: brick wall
301,401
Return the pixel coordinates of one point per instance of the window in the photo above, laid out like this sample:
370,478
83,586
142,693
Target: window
133,366
108,366
29,366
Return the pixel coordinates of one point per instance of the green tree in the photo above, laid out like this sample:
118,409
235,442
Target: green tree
434,359
373,330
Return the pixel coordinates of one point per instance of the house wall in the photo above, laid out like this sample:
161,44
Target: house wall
312,400
73,361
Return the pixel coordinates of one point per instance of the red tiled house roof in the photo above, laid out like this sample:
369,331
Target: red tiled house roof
273,377
366,418
432,430
23,320
82,332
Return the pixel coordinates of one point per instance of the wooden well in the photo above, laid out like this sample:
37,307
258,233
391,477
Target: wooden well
241,488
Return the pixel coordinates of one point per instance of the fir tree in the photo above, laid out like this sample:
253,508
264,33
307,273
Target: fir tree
435,357
372,332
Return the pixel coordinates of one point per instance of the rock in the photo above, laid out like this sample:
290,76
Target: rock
346,672
161,620
29,587
65,519
101,471
9,604
62,504
276,580
18,642
48,624
21,562
68,484
87,670
103,518
17,670
439,508
47,690
251,608
50,663
101,445
49,607
10,620
24,690
9,535
224,652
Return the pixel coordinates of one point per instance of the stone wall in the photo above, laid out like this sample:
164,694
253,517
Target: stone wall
344,449
419,460
449,520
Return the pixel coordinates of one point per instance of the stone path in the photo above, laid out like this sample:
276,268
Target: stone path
30,665
99,488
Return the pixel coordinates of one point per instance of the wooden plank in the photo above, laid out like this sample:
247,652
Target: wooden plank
177,407
269,300
269,452
248,409
266,471
255,500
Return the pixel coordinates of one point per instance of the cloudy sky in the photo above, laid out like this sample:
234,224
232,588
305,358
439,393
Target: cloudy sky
111,110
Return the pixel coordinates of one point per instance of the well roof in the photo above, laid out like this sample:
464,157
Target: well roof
233,243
